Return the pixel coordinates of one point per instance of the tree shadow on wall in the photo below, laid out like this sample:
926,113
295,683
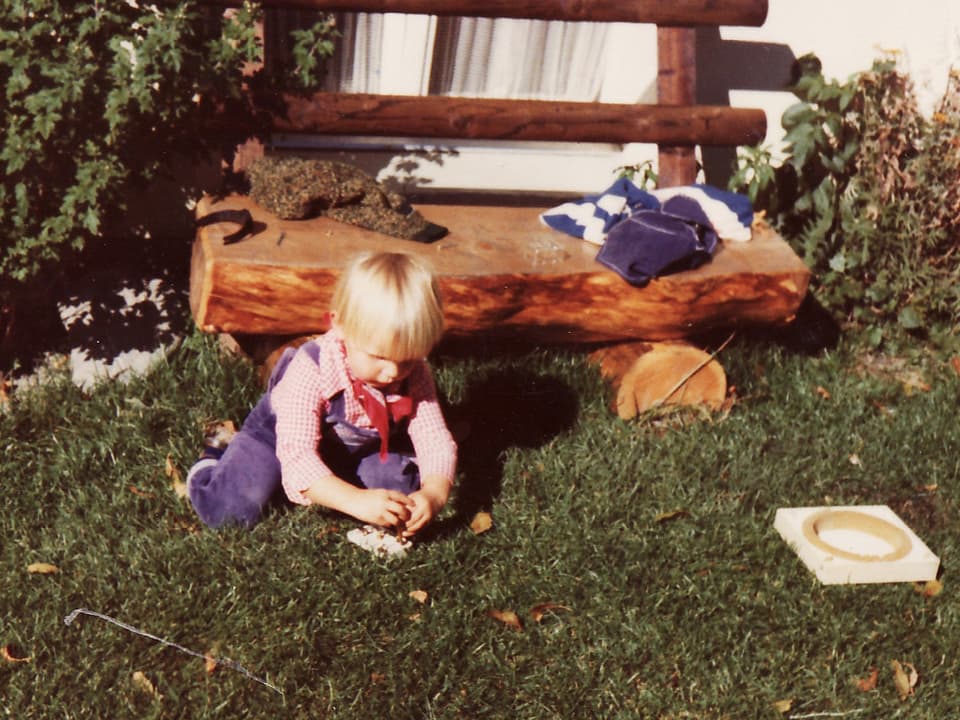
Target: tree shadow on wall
504,409
727,65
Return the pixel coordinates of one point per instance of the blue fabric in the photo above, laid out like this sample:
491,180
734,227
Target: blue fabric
651,243
593,216
738,203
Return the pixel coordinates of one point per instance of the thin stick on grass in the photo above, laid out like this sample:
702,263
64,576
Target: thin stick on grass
220,660
683,381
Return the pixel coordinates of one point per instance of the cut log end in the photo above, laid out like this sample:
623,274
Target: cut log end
645,376
271,360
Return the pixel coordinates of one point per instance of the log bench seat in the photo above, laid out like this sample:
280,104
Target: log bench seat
501,273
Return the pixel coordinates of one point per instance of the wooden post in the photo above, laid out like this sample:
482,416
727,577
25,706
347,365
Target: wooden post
676,85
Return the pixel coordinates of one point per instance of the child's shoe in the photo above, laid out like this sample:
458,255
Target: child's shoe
216,437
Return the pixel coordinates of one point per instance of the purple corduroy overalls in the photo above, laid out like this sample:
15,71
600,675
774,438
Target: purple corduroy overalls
236,488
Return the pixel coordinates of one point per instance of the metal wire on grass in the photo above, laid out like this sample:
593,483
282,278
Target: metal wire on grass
220,660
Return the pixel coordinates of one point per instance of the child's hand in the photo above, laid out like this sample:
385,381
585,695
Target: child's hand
385,508
427,502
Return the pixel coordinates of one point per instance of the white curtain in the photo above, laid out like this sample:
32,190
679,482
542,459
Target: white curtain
473,57
509,58
358,69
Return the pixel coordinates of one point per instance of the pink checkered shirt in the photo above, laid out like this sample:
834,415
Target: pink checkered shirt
300,402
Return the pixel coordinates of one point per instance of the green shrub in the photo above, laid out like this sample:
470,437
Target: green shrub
101,96
869,194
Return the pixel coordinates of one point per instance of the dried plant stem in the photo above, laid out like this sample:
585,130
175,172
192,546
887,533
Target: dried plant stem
220,660
682,381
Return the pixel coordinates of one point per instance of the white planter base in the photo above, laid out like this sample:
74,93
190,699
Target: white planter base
856,544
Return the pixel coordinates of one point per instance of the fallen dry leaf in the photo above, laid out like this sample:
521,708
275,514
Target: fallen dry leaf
783,706
903,680
869,682
421,596
507,617
42,568
4,392
931,588
328,531
181,525
176,480
729,401
823,392
141,493
854,459
10,654
671,515
210,659
955,364
142,683
481,522
538,611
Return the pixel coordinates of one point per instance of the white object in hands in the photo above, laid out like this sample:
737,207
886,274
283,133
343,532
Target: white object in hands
380,541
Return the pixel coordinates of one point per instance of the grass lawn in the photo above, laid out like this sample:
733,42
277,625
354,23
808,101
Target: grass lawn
640,558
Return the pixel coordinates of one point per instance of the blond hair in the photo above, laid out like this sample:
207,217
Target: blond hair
390,303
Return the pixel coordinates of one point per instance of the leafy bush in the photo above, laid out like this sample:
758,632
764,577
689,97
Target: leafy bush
100,96
869,194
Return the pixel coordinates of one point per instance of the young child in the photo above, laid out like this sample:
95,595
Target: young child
350,420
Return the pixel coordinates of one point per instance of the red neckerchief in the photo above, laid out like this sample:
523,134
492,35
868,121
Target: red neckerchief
400,406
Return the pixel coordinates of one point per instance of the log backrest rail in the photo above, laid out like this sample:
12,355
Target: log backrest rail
676,124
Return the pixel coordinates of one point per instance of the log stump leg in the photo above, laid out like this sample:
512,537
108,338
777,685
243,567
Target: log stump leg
266,367
645,375
263,351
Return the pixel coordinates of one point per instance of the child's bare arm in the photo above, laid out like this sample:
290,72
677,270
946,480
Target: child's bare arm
386,508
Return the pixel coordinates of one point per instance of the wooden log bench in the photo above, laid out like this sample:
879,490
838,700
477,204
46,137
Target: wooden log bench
501,271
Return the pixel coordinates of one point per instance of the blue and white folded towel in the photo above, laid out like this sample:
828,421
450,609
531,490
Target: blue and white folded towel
591,218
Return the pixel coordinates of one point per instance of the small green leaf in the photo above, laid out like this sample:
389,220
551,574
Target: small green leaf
909,318
796,114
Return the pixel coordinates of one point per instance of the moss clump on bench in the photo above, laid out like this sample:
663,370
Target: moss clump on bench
295,188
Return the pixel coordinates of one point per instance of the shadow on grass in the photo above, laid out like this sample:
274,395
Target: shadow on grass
120,298
813,330
503,409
